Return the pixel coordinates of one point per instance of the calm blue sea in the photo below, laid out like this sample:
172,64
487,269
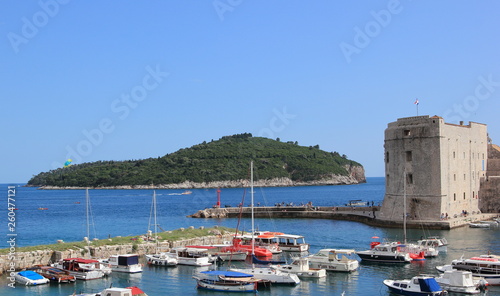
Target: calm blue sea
127,212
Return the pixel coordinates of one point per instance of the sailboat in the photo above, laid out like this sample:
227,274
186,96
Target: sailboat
80,268
271,274
159,258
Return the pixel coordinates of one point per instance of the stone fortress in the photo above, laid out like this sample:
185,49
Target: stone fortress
444,170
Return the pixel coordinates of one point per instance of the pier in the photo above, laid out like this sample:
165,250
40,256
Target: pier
367,215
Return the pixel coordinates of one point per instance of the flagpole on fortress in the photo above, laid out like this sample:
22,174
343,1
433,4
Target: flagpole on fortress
416,103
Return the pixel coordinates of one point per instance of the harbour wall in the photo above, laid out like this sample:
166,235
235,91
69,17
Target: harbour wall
23,260
366,215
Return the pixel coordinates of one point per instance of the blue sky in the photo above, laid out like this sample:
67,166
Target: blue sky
117,80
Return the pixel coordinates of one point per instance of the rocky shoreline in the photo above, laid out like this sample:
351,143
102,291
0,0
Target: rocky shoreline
276,182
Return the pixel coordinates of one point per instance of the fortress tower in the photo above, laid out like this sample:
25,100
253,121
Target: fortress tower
438,164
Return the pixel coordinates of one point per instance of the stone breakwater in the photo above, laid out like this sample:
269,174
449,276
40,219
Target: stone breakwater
356,176
25,260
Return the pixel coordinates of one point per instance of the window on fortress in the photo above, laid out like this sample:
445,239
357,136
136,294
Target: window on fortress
454,177
406,132
409,179
453,154
464,195
387,157
464,177
454,196
408,156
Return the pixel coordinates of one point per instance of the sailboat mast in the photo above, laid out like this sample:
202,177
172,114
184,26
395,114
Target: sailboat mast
251,205
404,205
154,209
87,209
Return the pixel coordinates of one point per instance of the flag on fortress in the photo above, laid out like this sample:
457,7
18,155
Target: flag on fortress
416,102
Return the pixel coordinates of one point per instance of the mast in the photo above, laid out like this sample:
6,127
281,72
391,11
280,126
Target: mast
251,205
156,225
87,209
404,204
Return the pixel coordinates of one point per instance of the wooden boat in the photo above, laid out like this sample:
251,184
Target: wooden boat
334,260
485,266
416,286
30,278
461,282
124,263
300,267
54,274
226,281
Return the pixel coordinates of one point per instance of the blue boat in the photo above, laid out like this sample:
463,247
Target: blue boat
417,286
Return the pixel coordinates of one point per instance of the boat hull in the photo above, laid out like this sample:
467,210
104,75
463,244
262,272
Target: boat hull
383,258
226,287
400,291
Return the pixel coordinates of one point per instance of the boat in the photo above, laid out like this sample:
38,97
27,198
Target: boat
485,266
30,278
292,243
226,281
83,269
416,286
301,267
237,246
191,256
124,263
54,274
479,225
387,252
129,291
437,243
334,260
158,258
460,281
265,239
217,254
268,273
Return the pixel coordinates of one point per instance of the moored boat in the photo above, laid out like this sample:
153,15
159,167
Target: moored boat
270,274
485,266
292,243
416,286
161,259
129,291
217,254
54,274
301,267
124,263
334,260
83,269
389,252
226,281
30,278
461,282
191,256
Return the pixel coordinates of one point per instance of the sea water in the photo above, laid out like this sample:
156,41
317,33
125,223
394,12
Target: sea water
45,216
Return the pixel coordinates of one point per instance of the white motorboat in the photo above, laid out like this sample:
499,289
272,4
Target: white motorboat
191,256
485,266
334,260
300,267
220,252
461,282
434,242
428,251
416,286
226,281
30,278
83,269
292,243
389,252
266,240
479,225
124,263
161,259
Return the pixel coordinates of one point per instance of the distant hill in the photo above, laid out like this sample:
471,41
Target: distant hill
226,160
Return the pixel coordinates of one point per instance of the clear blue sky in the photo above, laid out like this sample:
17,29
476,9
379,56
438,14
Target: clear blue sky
118,80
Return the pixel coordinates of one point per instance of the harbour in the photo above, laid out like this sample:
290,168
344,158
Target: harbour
129,212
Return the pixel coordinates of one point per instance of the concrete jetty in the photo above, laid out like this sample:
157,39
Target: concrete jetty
366,215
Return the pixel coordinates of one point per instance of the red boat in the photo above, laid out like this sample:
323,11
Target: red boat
238,247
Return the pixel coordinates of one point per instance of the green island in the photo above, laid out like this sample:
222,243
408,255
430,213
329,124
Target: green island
226,159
